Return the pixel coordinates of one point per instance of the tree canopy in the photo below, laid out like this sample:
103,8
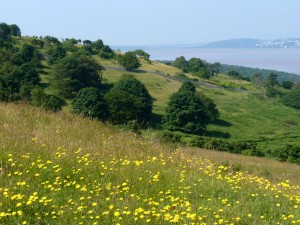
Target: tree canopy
90,103
292,98
74,72
129,61
189,111
197,66
129,100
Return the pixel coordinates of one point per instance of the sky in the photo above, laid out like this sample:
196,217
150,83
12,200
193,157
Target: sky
155,22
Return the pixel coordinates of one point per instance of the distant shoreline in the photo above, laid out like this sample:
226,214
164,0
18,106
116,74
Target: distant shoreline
280,59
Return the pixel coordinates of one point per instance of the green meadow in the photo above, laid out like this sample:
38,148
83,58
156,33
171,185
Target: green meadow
57,168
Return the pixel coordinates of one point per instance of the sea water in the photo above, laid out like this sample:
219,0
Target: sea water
280,59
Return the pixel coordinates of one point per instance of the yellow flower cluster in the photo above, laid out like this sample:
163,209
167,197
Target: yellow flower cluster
76,187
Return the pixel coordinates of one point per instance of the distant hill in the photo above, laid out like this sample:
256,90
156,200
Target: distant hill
254,43
232,43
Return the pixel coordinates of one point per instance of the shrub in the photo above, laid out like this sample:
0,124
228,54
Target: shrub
189,111
90,103
219,144
290,153
129,100
129,61
53,103
292,98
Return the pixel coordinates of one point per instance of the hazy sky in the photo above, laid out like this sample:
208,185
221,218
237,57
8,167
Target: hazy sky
141,22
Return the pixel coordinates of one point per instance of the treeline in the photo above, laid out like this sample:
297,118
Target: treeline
203,69
291,153
197,67
287,91
249,72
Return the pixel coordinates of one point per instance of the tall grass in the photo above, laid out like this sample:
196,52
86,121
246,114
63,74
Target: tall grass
62,169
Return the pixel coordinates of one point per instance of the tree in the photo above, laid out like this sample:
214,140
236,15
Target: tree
97,44
5,35
70,44
180,63
130,100
15,30
204,73
29,53
287,84
75,72
29,75
5,31
87,42
52,103
272,80
187,86
49,41
129,61
141,53
38,42
122,106
106,52
188,111
48,102
233,73
214,68
292,98
58,52
195,64
10,81
90,103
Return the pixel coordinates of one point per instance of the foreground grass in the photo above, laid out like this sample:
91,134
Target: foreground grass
61,169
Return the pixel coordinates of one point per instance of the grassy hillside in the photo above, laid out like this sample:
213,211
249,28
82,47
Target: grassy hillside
63,169
246,113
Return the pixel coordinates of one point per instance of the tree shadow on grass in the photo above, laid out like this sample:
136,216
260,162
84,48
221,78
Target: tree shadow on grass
138,71
215,133
222,123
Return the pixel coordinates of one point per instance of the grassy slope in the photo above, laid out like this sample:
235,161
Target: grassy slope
245,115
63,169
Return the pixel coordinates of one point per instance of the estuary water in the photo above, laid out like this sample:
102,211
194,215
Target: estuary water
280,59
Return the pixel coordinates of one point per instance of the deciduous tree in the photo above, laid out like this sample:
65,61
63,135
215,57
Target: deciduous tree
129,61
188,111
138,105
90,103
74,72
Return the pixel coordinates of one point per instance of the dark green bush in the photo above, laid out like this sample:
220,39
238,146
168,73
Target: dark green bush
90,103
53,103
218,144
291,153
